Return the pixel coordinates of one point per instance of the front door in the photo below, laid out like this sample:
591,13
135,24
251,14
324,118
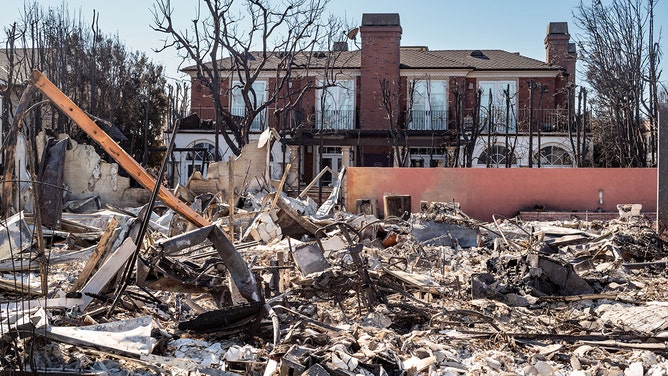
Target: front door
331,157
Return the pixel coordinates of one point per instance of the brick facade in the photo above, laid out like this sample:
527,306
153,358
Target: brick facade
381,41
381,58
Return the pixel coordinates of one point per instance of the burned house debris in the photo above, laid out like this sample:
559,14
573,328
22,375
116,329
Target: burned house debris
258,282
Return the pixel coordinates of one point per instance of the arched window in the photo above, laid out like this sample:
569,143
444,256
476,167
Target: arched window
496,155
202,152
198,158
554,156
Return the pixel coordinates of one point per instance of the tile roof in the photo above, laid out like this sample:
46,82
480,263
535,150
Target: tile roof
472,59
413,58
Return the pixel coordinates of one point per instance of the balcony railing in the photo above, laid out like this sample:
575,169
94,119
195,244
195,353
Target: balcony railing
427,120
335,119
259,123
553,120
549,121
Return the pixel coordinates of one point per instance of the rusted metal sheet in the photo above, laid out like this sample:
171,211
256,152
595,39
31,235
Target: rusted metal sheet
133,168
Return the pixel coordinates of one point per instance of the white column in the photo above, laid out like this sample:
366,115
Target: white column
293,174
345,156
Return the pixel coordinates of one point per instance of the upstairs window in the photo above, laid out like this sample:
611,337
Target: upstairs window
429,105
335,106
238,107
502,113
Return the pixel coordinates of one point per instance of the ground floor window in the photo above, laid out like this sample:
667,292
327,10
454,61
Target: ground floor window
554,156
497,156
428,157
199,157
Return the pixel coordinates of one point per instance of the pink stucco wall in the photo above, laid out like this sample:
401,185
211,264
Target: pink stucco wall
486,191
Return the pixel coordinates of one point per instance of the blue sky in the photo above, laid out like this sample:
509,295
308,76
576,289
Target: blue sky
511,25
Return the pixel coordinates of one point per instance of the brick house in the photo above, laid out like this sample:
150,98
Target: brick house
430,94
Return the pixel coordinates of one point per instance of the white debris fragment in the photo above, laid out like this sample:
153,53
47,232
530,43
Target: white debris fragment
238,353
343,360
265,229
634,369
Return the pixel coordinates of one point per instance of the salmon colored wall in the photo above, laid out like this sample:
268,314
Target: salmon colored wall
486,191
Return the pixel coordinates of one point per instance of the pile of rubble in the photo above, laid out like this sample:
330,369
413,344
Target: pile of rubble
434,293
267,284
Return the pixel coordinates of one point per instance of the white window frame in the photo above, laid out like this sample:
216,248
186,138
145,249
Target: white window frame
336,110
499,104
423,155
544,162
238,107
499,162
196,158
429,104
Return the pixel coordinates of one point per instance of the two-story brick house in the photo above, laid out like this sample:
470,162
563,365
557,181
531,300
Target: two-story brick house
445,104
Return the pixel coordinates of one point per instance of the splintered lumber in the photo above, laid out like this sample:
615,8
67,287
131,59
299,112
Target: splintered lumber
18,287
101,249
280,186
314,181
65,104
107,271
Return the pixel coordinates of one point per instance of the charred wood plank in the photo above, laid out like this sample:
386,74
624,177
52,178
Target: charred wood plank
103,246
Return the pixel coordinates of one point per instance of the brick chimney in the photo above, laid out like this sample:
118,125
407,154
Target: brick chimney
558,49
381,38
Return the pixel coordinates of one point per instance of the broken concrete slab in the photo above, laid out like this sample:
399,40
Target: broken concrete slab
263,228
